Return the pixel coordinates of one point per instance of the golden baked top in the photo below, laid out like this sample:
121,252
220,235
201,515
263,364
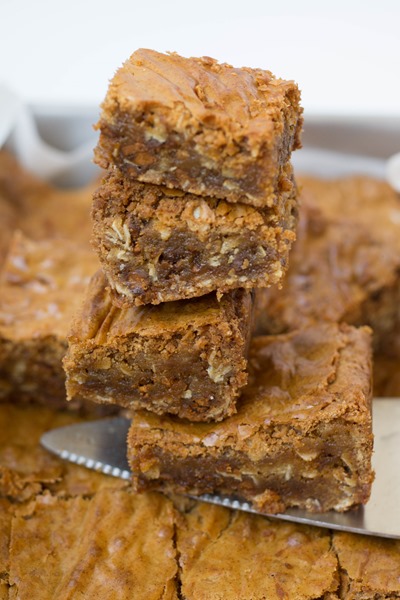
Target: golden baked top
200,89
42,284
347,250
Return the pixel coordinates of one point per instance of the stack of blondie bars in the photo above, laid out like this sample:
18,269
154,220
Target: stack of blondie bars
196,211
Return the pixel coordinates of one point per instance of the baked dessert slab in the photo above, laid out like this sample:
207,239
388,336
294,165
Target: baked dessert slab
187,358
301,436
227,555
39,209
158,245
345,263
369,567
115,544
41,286
199,126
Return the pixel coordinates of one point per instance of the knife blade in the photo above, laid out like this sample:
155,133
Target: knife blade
101,445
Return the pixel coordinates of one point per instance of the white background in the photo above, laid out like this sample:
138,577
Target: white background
344,55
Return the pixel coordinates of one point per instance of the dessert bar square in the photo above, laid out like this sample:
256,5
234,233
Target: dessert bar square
369,566
39,209
301,436
345,263
158,245
41,287
231,555
114,545
199,126
187,357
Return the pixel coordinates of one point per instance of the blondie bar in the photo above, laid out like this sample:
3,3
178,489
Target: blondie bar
345,264
199,126
158,245
114,545
369,567
187,357
39,209
228,555
42,285
301,437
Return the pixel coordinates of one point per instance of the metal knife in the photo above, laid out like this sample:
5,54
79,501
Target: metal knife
101,445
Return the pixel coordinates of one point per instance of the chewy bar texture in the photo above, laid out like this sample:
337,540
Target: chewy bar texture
187,358
345,263
199,126
158,245
42,285
301,435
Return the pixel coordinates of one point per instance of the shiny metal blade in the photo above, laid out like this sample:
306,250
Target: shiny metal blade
98,445
101,445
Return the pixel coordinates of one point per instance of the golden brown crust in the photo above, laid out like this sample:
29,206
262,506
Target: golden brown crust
369,567
89,547
200,126
44,211
345,263
216,551
42,284
307,389
6,512
227,555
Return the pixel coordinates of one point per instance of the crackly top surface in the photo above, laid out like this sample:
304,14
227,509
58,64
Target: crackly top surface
101,321
347,248
297,381
370,567
220,548
42,284
76,547
211,93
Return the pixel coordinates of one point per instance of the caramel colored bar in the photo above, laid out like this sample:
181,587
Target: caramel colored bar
230,555
186,358
345,263
369,567
301,436
40,210
199,126
159,245
114,545
42,286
